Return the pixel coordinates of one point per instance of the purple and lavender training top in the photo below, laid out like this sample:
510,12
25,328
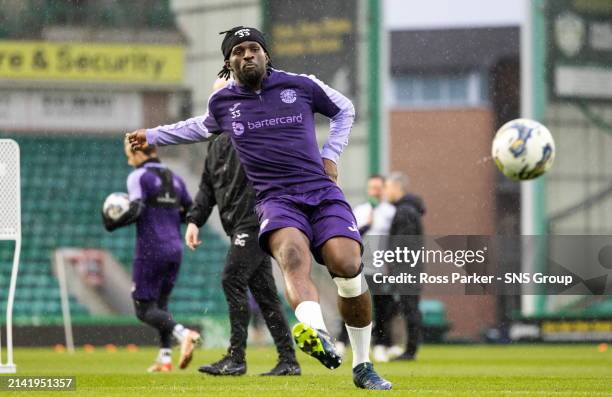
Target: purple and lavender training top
158,235
273,130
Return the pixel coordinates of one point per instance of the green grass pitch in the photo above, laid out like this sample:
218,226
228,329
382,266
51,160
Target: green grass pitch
523,370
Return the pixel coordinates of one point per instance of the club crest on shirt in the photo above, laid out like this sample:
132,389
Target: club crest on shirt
238,128
288,95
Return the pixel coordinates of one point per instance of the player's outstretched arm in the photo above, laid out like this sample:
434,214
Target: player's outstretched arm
195,129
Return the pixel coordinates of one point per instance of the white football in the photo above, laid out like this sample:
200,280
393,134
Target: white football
115,205
523,149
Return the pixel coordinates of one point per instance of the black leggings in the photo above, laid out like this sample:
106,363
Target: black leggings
248,267
156,314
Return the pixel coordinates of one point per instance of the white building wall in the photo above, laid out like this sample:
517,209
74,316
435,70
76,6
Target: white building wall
447,14
201,21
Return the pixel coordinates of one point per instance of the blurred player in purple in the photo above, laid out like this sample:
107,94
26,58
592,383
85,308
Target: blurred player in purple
158,204
270,116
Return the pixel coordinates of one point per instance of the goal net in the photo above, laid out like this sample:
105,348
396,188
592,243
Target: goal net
10,229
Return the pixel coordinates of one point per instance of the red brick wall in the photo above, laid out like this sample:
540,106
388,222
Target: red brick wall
444,152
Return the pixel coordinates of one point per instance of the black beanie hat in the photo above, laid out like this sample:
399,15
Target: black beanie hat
235,36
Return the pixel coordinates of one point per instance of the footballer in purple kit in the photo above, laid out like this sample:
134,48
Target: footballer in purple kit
158,202
270,117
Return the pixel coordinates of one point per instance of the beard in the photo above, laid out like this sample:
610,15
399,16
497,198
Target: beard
250,77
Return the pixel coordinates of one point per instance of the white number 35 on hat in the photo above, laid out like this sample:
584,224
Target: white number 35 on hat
243,32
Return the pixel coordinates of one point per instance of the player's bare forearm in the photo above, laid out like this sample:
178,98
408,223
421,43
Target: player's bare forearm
137,139
331,169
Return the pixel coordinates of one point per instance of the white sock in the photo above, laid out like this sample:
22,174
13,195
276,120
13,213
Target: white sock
360,343
164,356
309,313
180,332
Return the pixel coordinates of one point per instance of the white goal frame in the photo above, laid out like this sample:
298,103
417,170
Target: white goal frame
10,229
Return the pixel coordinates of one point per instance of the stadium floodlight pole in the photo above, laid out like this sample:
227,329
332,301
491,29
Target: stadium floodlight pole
527,301
384,106
533,103
60,265
374,42
10,229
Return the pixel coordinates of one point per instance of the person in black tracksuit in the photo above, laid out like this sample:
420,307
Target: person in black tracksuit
225,184
407,222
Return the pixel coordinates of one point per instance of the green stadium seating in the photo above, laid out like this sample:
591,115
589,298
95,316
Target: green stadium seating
64,182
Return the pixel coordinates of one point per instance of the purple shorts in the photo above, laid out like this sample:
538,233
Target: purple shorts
152,279
320,215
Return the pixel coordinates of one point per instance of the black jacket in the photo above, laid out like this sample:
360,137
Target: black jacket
407,219
407,223
225,184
